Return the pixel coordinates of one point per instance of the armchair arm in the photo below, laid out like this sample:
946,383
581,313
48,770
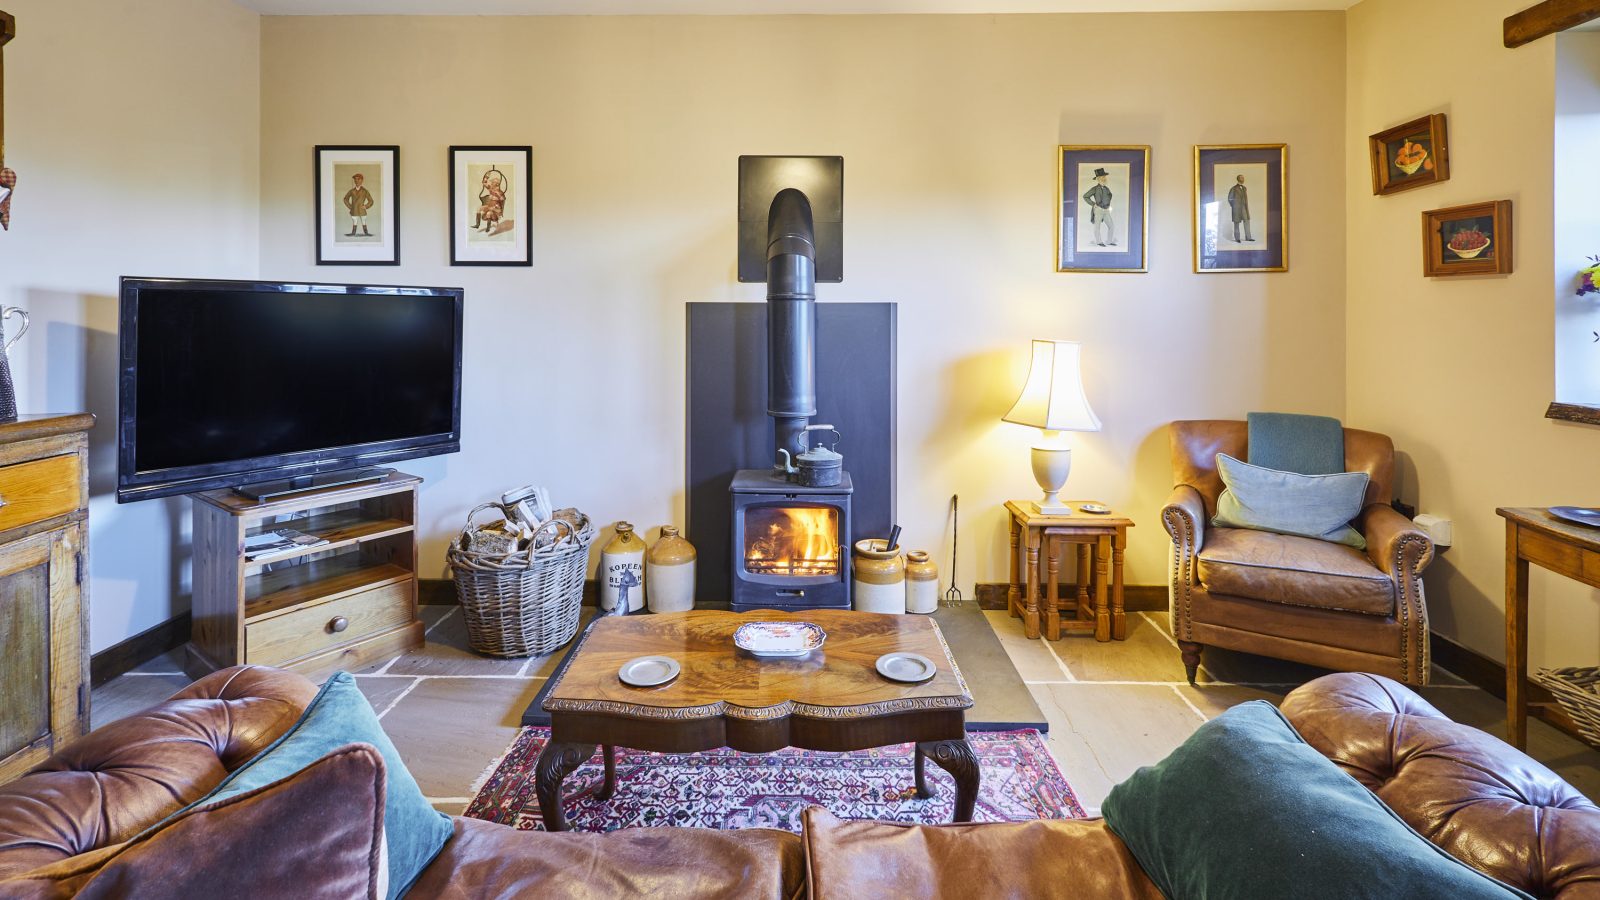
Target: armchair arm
1394,544
1402,550
1184,517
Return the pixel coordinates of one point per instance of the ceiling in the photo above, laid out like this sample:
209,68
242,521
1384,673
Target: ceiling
759,7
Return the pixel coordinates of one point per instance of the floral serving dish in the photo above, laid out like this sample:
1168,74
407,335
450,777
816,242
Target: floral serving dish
778,639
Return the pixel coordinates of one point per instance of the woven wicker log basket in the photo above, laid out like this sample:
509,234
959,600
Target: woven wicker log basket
527,602
1577,689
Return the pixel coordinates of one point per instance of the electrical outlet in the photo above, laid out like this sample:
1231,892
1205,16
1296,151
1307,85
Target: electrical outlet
1440,530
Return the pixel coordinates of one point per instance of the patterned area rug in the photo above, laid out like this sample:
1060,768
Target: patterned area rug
727,789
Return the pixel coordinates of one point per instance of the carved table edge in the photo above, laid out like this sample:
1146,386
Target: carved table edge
786,709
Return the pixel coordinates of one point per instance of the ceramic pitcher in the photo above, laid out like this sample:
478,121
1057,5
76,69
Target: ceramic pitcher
879,580
8,390
669,573
622,571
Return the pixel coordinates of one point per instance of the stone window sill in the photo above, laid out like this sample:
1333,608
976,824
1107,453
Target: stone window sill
1574,412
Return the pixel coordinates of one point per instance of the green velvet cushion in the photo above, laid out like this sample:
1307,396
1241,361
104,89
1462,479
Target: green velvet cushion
414,831
1314,506
1290,442
1246,808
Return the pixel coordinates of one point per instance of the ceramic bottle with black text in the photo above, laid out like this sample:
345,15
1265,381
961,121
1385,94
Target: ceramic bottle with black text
622,571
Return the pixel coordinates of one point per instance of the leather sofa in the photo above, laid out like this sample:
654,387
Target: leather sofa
65,827
1290,597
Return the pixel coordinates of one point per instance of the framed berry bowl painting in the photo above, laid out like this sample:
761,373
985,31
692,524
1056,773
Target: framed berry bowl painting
1467,240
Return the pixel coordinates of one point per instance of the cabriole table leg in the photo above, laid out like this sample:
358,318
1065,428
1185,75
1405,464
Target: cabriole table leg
557,760
957,758
610,786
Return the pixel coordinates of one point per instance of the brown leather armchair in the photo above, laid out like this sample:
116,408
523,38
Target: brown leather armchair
1292,597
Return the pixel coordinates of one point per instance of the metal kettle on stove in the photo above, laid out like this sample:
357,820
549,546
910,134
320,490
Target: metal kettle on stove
816,466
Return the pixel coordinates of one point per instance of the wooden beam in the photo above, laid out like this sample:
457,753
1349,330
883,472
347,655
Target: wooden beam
1547,18
8,30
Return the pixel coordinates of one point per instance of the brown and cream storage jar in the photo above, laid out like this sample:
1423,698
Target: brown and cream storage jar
879,580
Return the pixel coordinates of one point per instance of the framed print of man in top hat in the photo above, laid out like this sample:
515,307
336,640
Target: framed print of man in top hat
1103,197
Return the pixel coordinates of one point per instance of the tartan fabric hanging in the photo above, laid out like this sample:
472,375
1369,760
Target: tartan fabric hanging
8,183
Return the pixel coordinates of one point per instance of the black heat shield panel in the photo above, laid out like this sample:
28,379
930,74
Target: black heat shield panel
821,179
728,427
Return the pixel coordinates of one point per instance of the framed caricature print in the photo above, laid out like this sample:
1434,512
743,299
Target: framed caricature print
358,205
1241,208
1102,208
491,200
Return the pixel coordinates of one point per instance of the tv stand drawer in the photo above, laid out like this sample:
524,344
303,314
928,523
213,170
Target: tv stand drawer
313,628
42,489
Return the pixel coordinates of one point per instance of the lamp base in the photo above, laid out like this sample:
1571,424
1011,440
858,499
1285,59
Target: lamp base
1051,463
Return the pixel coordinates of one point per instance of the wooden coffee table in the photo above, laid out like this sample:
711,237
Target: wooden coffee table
831,700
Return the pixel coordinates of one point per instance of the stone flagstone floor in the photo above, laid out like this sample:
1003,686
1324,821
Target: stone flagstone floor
1112,707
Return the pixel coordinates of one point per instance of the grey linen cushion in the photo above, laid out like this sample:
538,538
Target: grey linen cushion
1314,506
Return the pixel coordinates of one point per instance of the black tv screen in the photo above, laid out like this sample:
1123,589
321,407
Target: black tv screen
225,383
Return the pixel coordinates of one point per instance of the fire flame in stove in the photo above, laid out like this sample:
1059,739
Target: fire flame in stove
799,540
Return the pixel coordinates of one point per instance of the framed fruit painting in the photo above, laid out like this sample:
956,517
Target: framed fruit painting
1410,156
1467,240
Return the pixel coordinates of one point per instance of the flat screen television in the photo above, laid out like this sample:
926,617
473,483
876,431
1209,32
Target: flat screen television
230,383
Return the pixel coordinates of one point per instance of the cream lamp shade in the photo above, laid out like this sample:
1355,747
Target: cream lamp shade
1053,400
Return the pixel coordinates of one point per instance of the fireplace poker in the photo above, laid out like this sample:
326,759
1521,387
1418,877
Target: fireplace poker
952,597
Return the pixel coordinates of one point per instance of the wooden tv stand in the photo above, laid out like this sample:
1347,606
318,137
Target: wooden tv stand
314,610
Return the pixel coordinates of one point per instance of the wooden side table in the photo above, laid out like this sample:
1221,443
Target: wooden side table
1100,539
1533,535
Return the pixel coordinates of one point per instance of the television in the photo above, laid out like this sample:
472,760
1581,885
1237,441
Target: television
225,384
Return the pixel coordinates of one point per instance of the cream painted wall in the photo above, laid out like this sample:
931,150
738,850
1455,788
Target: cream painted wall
135,130
1459,371
948,126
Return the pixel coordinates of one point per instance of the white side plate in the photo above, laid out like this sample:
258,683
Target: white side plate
776,639
649,671
909,668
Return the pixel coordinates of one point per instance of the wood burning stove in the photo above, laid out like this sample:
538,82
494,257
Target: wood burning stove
791,543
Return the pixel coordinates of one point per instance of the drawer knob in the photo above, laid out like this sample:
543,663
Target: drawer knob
338,624
3,500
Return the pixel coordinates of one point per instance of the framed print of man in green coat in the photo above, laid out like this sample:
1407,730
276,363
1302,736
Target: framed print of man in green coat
1099,199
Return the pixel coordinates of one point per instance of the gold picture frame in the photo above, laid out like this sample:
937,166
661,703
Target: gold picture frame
1266,168
1113,237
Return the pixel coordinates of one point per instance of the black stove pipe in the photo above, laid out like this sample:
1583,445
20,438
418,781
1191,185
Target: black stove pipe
791,319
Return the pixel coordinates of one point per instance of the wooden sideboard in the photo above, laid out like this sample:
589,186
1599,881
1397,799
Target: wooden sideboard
44,613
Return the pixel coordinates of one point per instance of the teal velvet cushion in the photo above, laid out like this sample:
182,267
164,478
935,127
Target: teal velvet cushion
414,831
1246,808
1289,442
1314,506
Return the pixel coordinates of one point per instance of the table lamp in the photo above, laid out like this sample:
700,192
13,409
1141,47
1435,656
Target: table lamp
1053,401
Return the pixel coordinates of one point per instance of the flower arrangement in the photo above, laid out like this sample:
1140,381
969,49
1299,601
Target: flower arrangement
1587,278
